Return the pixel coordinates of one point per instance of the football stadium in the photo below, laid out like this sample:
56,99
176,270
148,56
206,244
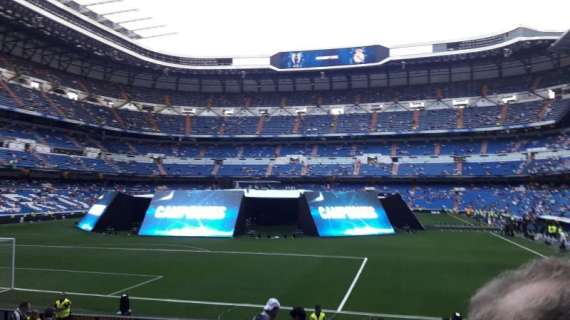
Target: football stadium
425,181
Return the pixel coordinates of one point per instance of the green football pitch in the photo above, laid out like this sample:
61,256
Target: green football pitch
423,275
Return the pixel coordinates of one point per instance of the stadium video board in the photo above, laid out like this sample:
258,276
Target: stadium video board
348,214
329,57
96,211
189,213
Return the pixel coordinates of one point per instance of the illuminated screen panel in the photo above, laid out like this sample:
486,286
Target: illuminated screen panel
96,211
192,214
329,57
348,214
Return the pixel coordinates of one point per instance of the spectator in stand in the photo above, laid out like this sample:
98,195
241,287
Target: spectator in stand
539,290
270,310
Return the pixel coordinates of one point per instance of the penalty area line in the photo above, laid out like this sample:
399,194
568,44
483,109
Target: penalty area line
507,240
124,290
518,245
354,281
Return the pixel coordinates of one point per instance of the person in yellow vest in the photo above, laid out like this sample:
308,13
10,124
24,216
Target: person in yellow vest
318,314
62,307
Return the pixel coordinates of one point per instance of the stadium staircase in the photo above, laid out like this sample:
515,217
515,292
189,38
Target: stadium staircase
161,168
82,165
439,93
296,124
132,147
222,127
457,200
75,142
260,124
240,152
459,122
278,150
7,63
373,122
522,167
305,169
118,118
536,84
357,166
40,139
437,149
334,123
354,150
111,164
458,166
11,93
484,147
152,121
124,93
484,90
202,153
416,119
315,150
41,159
394,150
97,143
504,113
395,168
83,87
546,105
52,104
187,125
216,169
269,170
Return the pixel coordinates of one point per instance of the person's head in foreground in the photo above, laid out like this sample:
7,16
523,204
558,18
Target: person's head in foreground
539,290
25,306
298,313
318,309
272,308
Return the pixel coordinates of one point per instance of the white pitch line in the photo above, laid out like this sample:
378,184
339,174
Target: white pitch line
230,304
284,254
135,286
507,240
343,302
518,245
460,219
89,272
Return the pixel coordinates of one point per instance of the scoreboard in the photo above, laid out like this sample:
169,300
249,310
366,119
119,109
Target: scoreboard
330,57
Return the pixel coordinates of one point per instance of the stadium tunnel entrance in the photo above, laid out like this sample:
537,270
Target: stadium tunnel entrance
275,217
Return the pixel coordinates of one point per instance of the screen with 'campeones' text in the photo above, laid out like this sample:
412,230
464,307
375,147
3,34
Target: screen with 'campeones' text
192,213
348,214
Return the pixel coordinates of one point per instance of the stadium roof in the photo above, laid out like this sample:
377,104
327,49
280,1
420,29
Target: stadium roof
563,43
84,10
